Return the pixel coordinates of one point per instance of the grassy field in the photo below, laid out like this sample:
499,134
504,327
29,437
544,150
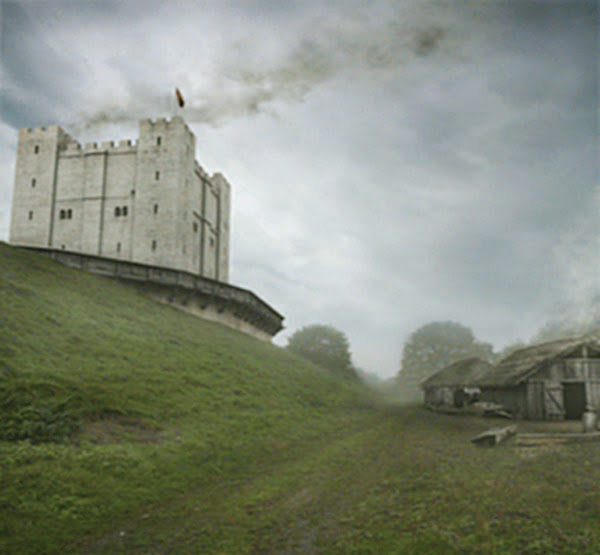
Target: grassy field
128,426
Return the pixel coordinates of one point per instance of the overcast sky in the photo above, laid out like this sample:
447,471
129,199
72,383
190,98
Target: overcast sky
392,163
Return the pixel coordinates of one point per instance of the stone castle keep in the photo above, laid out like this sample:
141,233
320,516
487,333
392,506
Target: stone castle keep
144,211
148,202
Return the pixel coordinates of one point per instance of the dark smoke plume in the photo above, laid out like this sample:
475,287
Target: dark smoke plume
323,51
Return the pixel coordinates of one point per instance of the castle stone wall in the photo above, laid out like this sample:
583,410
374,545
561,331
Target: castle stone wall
224,218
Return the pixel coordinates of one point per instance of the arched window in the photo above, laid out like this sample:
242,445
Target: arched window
117,211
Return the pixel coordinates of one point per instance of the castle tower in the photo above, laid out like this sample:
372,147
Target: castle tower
32,216
165,161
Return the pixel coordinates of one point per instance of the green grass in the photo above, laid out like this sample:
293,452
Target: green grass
128,426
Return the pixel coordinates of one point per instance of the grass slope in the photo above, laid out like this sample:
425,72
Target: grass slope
128,426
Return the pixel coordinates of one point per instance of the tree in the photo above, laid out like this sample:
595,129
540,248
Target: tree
323,345
431,348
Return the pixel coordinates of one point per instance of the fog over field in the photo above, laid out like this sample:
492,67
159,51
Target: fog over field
391,163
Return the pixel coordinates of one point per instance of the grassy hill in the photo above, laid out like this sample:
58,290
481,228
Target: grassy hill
128,426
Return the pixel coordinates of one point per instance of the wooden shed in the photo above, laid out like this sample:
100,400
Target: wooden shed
548,381
446,387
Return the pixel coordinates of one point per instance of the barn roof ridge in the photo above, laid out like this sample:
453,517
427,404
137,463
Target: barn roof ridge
467,370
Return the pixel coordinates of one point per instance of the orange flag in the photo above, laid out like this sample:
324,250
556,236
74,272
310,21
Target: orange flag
179,98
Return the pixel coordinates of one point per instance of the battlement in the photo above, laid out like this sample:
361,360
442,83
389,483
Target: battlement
72,147
124,145
41,131
164,121
163,124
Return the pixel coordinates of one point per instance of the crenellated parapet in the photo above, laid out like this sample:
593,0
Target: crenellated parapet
73,148
41,130
163,121
150,126
126,144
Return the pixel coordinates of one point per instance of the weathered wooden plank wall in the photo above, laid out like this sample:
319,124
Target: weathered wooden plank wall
535,400
592,393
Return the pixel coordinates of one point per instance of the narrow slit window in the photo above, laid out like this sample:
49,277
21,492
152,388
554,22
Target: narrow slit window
31,214
117,211
195,227
154,245
124,210
69,214
155,208
36,149
118,247
63,214
33,182
158,141
157,175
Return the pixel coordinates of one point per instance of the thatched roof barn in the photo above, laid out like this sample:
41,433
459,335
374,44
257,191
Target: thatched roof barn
447,386
553,380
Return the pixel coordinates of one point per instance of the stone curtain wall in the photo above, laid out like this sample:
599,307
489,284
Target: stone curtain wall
232,306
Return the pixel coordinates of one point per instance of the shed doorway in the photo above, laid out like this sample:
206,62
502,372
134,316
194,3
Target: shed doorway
574,396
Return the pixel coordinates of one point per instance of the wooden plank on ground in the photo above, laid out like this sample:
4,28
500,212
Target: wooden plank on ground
494,436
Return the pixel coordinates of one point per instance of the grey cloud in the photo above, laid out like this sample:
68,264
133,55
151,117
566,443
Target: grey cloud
28,58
